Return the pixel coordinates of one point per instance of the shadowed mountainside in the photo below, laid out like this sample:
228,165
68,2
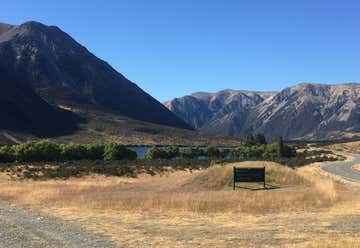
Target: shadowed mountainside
45,60
24,111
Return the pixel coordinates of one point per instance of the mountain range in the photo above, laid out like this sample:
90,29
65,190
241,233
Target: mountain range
303,112
44,72
51,86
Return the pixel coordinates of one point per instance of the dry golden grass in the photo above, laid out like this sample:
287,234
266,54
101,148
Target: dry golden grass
356,167
353,147
202,191
183,209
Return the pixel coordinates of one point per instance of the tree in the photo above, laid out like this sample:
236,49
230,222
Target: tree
95,151
73,152
37,151
118,152
260,139
163,153
281,148
250,140
7,154
212,152
192,152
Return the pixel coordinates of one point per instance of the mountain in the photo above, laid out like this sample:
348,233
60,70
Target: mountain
222,113
219,113
24,111
44,68
303,112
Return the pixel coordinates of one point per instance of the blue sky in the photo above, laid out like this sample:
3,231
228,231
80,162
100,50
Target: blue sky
172,48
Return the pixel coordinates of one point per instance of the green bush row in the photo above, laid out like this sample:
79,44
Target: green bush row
270,151
274,150
172,152
44,151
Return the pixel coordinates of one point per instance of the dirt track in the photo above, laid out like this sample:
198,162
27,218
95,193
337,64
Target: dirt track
344,169
25,228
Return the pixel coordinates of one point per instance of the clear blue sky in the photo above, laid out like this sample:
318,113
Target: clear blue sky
172,48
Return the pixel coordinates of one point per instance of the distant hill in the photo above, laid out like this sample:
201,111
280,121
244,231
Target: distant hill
303,112
42,67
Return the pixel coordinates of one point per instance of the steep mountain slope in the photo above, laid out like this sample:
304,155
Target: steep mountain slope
224,112
63,72
309,111
304,111
23,111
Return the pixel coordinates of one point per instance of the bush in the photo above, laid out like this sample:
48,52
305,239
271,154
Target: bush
271,151
192,152
250,151
289,151
163,153
95,151
44,151
212,152
71,152
118,152
7,154
37,151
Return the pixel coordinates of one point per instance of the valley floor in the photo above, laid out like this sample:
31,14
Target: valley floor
198,208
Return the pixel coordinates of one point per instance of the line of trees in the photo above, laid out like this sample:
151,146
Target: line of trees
44,151
171,152
269,151
256,150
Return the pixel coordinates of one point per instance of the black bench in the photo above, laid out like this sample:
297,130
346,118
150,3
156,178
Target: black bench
247,175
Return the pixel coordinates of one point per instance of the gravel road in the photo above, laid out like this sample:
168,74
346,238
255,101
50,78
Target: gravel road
25,228
344,169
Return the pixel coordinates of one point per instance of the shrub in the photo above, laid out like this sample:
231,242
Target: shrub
270,151
163,153
37,151
250,151
260,139
212,152
118,152
289,151
7,154
95,151
191,152
73,152
172,152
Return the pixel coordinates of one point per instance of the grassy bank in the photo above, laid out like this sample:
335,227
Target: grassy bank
187,208
204,190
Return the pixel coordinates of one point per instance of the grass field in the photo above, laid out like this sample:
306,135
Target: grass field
352,147
300,208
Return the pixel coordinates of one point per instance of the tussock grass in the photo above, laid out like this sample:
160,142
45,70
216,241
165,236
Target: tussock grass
187,209
353,146
204,191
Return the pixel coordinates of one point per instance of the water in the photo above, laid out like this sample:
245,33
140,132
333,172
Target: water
142,150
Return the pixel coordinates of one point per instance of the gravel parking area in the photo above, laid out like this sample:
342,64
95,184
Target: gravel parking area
26,228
